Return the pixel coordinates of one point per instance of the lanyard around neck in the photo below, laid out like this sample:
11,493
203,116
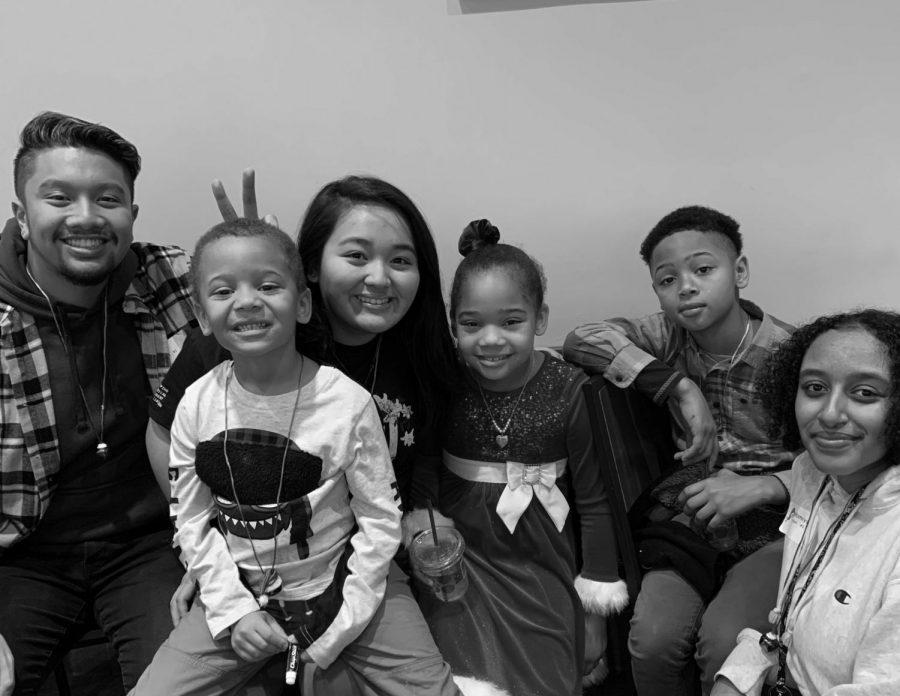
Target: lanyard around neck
817,556
780,638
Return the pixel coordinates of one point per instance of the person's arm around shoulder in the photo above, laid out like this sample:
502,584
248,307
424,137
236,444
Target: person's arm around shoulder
630,353
375,503
618,348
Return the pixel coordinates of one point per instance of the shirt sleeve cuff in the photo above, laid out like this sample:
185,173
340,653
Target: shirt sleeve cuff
627,365
220,625
748,664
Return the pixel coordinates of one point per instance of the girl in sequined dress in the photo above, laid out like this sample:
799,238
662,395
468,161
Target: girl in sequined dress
520,481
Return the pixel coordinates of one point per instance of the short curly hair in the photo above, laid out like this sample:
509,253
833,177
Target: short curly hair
780,378
692,217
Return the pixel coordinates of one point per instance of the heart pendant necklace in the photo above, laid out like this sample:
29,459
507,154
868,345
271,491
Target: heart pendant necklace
502,439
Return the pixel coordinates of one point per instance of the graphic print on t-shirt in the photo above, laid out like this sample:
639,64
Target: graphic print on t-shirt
396,418
247,500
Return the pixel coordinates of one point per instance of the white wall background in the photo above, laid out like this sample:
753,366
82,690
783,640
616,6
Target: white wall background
574,128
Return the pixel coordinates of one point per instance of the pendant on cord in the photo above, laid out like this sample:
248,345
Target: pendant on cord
502,441
102,450
270,585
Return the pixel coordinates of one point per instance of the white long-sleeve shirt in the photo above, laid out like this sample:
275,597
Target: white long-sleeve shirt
338,476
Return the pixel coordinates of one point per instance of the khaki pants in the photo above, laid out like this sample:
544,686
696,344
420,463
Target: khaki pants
394,656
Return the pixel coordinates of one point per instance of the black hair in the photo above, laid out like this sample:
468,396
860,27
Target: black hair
692,217
310,338
778,383
482,251
49,130
423,331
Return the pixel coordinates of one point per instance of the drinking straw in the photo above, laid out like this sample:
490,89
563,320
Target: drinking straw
431,519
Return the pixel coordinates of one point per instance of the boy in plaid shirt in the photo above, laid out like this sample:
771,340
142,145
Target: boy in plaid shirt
700,355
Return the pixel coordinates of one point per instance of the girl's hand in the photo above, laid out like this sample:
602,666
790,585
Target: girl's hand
594,640
181,601
248,191
256,636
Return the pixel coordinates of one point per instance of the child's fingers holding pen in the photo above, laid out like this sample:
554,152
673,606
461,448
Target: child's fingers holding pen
258,635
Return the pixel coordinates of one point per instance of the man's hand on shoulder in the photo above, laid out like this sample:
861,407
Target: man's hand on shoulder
689,408
248,195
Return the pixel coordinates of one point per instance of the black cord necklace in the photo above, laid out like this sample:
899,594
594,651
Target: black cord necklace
270,581
102,447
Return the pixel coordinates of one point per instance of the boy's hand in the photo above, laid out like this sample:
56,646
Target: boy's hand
181,601
689,408
257,636
725,495
248,190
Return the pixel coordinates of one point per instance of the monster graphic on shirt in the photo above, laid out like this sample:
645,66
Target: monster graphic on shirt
260,481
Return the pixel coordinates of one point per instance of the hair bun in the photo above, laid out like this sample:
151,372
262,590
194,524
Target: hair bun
478,233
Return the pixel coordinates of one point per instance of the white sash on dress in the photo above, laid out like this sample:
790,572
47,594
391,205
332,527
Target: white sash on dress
523,482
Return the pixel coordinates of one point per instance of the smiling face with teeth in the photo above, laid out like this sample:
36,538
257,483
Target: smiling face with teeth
368,275
250,299
76,216
495,325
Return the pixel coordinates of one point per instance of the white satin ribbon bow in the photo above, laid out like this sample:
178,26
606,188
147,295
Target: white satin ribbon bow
523,482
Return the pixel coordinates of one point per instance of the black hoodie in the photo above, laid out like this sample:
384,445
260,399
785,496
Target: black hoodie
94,498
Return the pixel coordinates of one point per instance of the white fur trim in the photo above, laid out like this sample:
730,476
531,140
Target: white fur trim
597,675
417,521
602,597
476,687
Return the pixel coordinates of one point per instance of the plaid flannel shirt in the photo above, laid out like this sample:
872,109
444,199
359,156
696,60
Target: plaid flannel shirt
620,348
159,301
